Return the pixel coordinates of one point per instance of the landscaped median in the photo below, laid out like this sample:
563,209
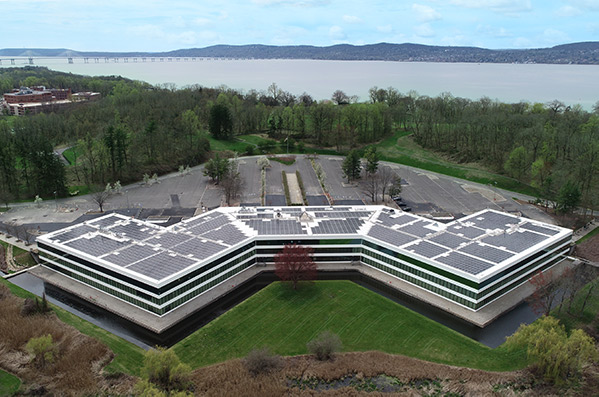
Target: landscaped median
285,320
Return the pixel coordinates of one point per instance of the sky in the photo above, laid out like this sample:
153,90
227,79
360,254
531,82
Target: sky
149,25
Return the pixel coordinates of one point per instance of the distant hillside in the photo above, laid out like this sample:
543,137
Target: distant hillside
576,53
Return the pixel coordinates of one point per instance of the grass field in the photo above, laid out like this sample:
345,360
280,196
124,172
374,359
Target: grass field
285,320
9,384
400,148
587,236
128,357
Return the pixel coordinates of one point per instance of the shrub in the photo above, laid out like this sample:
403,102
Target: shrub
262,361
163,368
35,306
554,353
324,345
42,349
249,150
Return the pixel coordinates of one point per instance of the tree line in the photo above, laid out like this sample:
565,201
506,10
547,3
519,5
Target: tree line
138,129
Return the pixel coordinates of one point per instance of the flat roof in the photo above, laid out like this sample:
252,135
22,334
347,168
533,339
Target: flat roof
474,247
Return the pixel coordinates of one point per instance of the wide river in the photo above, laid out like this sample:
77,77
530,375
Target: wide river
571,84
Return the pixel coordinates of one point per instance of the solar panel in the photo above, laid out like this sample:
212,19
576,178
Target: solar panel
516,241
448,240
539,229
464,263
131,254
74,233
209,225
342,214
275,226
417,229
489,253
493,220
168,239
467,231
133,230
229,234
426,249
396,219
97,245
338,226
198,248
104,222
161,265
390,236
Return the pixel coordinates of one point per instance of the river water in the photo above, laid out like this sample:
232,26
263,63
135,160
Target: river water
571,84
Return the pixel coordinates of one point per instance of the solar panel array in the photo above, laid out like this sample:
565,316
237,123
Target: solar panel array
465,245
97,245
132,230
132,253
390,236
516,241
161,265
464,263
426,249
398,219
342,214
467,231
74,233
200,249
486,252
168,239
539,229
449,240
417,229
338,226
204,227
228,234
275,226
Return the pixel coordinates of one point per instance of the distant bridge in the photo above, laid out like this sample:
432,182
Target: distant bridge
31,60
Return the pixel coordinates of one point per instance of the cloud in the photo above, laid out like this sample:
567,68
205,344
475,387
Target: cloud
337,33
568,11
385,28
425,13
493,31
592,5
554,36
294,3
424,30
202,21
508,7
352,19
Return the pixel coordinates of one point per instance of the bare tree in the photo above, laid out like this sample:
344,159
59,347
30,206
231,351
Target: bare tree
340,97
371,186
386,179
100,197
232,183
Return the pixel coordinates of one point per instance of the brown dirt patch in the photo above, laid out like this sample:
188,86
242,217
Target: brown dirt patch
232,378
79,359
589,249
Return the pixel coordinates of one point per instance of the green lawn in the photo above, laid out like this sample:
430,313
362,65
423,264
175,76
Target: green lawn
128,357
72,154
400,148
9,384
588,235
285,320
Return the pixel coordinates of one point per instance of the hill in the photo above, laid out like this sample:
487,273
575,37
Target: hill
574,53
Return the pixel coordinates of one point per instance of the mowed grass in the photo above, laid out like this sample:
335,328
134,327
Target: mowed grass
9,384
128,357
285,320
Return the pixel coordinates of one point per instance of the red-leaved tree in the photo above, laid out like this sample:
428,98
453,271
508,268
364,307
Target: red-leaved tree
546,290
295,264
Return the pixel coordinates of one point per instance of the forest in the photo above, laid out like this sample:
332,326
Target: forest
138,129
